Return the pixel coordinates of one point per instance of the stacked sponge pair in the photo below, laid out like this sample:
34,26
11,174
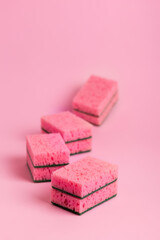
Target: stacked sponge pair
88,182
45,154
84,184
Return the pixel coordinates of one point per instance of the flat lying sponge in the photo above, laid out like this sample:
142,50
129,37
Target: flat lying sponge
84,184
76,132
95,99
45,153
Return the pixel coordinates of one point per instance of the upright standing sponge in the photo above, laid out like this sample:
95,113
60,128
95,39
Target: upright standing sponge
45,154
84,184
95,99
76,132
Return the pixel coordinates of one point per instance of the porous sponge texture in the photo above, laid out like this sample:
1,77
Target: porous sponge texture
80,146
70,126
47,149
41,174
98,120
81,205
84,176
95,94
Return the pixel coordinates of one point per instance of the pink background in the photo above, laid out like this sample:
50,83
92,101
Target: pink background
47,50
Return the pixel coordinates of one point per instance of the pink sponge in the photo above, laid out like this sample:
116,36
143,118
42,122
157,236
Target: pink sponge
76,132
40,174
84,184
95,99
46,152
80,206
79,146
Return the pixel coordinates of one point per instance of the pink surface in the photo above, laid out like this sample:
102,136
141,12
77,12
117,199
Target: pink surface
84,176
80,146
47,149
68,125
47,51
41,174
95,95
98,120
81,205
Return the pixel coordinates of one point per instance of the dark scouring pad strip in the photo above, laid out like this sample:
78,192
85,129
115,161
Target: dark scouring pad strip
42,166
76,140
37,181
71,154
85,210
97,125
45,130
94,115
79,139
87,194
